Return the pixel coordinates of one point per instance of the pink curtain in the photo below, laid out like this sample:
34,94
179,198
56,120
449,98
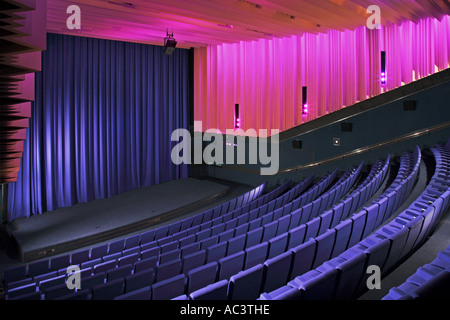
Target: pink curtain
265,77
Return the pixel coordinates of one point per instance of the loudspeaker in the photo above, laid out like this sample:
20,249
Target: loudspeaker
409,105
237,120
297,144
304,97
346,127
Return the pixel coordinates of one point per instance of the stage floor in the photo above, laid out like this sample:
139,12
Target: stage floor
84,224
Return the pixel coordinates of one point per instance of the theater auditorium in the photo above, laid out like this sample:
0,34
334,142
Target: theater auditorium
233,150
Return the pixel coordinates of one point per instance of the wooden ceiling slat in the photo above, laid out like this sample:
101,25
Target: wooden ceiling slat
208,22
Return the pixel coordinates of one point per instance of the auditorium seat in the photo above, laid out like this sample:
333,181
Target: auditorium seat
168,270
99,251
202,276
119,273
169,288
193,260
22,290
52,282
246,285
149,263
60,262
276,271
231,265
216,251
139,280
108,290
38,267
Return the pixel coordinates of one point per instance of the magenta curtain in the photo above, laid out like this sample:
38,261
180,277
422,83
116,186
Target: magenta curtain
339,69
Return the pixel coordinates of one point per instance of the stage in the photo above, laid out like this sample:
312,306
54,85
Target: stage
85,224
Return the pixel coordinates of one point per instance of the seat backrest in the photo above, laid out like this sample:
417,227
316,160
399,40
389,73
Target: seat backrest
108,290
256,254
202,276
303,258
246,285
216,251
60,262
149,263
169,288
99,251
276,271
137,281
193,260
168,270
119,273
116,246
38,267
231,265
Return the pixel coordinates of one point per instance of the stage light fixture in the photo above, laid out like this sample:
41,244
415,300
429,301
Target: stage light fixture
169,44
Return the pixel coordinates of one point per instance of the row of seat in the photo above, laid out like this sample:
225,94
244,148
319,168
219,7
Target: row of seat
111,264
222,269
345,276
266,275
44,266
431,281
248,284
131,253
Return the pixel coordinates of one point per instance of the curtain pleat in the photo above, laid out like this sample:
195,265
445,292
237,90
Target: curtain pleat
101,123
339,69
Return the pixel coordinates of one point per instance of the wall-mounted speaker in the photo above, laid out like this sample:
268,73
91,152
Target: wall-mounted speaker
304,96
297,144
409,105
383,67
383,61
346,127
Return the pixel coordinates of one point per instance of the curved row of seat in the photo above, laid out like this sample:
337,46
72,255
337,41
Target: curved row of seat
431,281
43,266
274,239
228,265
264,273
108,264
132,255
345,276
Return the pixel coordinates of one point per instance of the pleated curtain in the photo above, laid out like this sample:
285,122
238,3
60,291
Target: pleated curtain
101,123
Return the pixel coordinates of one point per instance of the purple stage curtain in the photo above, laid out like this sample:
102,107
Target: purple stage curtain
101,123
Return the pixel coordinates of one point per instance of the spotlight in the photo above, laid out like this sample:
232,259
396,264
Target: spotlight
169,44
